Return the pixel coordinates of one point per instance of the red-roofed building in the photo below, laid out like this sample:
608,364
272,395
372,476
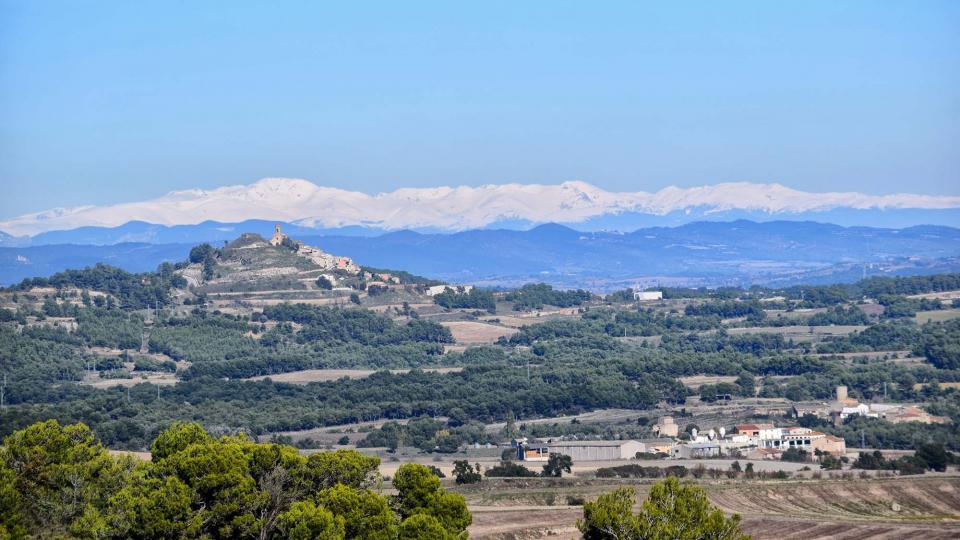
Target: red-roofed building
752,430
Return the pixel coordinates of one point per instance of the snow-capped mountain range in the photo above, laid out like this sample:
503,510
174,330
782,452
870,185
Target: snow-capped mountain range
458,208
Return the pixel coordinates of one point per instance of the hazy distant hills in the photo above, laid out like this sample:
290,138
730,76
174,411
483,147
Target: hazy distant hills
41,261
702,253
740,252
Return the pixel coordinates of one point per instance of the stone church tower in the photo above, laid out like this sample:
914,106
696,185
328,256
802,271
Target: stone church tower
278,237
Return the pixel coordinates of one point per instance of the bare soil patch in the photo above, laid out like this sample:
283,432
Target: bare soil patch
696,381
163,379
940,315
476,333
800,333
943,295
927,507
322,375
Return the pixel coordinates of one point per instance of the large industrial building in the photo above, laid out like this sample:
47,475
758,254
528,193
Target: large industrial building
596,450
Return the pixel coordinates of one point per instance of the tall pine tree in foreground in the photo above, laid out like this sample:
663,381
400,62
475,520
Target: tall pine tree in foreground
673,511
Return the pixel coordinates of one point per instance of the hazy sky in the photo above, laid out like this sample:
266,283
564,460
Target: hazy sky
115,101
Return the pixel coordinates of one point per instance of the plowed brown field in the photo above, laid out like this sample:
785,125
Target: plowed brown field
896,508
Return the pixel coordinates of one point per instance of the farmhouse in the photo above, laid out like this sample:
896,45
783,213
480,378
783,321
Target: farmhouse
753,430
829,444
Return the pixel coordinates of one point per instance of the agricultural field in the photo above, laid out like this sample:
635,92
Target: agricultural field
941,315
694,382
477,333
800,334
795,509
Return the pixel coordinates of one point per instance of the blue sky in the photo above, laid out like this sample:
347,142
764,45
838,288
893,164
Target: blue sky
106,102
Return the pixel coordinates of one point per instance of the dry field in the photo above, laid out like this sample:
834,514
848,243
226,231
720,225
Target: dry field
308,376
601,416
388,307
249,303
164,379
916,507
943,295
509,320
477,333
518,319
800,333
696,381
919,386
940,315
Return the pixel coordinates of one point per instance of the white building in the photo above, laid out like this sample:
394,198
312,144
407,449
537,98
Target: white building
792,437
597,450
860,410
647,295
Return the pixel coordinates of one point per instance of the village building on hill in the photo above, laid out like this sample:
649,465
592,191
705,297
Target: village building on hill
278,237
316,255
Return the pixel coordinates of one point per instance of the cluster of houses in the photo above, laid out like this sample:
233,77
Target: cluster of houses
758,441
381,279
752,441
317,256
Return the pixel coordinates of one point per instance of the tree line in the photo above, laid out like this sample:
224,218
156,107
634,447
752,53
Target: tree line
60,481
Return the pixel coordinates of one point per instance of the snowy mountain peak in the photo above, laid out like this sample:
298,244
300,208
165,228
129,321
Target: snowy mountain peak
454,208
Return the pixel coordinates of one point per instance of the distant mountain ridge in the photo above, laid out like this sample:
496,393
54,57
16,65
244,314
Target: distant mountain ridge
701,253
447,209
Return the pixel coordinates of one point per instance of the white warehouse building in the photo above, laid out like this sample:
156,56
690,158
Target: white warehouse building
597,450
